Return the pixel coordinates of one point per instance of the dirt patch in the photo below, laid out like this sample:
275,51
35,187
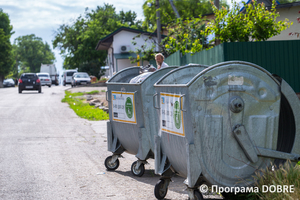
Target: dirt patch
101,95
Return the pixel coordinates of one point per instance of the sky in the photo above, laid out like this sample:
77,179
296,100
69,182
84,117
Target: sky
43,17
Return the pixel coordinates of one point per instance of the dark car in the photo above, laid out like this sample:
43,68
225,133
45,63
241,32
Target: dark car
29,81
9,83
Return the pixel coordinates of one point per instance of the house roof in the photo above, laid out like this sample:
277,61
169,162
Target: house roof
105,43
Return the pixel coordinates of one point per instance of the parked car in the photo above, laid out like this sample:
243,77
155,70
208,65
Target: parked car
29,81
67,76
45,79
8,83
80,78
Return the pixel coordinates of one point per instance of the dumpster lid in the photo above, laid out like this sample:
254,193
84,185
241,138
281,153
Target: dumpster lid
232,63
125,75
181,76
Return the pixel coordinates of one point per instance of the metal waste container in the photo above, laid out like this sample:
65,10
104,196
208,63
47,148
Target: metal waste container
132,120
223,124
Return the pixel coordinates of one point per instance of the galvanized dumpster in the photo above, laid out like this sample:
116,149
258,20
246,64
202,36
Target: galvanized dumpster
132,120
223,124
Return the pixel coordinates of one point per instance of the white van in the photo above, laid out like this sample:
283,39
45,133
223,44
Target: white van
67,76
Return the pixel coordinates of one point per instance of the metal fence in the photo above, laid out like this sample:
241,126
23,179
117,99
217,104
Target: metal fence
278,57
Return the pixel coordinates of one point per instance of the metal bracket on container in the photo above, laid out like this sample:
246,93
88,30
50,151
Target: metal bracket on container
253,152
122,90
269,153
106,96
244,141
139,162
155,101
180,102
134,96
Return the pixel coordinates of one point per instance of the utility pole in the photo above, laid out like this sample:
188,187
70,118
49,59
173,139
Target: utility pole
174,9
158,24
217,3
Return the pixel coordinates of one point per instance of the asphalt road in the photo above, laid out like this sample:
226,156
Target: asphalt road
48,152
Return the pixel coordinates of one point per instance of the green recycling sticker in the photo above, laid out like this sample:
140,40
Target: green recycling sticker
171,114
123,107
177,115
129,107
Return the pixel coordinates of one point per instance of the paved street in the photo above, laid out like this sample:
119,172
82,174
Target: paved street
48,152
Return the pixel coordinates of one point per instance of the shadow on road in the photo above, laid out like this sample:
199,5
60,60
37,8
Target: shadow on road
23,92
151,178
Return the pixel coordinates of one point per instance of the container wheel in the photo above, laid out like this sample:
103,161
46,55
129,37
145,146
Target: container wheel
137,172
109,165
198,195
161,189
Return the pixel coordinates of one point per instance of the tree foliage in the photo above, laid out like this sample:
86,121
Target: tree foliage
6,59
186,8
256,24
77,41
187,36
30,52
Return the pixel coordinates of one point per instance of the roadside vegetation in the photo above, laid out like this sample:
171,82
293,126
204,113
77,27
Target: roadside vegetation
285,175
82,109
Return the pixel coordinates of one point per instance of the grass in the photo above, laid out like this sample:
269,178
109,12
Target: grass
84,110
284,175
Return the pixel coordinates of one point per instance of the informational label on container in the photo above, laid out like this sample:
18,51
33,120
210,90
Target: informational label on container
123,107
171,115
235,80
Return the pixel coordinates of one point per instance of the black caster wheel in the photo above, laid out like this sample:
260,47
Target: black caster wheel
198,195
109,165
137,172
161,189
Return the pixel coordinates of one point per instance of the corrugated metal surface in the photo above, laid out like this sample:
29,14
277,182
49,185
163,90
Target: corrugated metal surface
174,59
206,57
278,57
153,62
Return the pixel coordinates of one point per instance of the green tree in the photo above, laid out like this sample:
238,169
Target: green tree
256,24
186,36
129,18
6,59
77,41
186,8
30,52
